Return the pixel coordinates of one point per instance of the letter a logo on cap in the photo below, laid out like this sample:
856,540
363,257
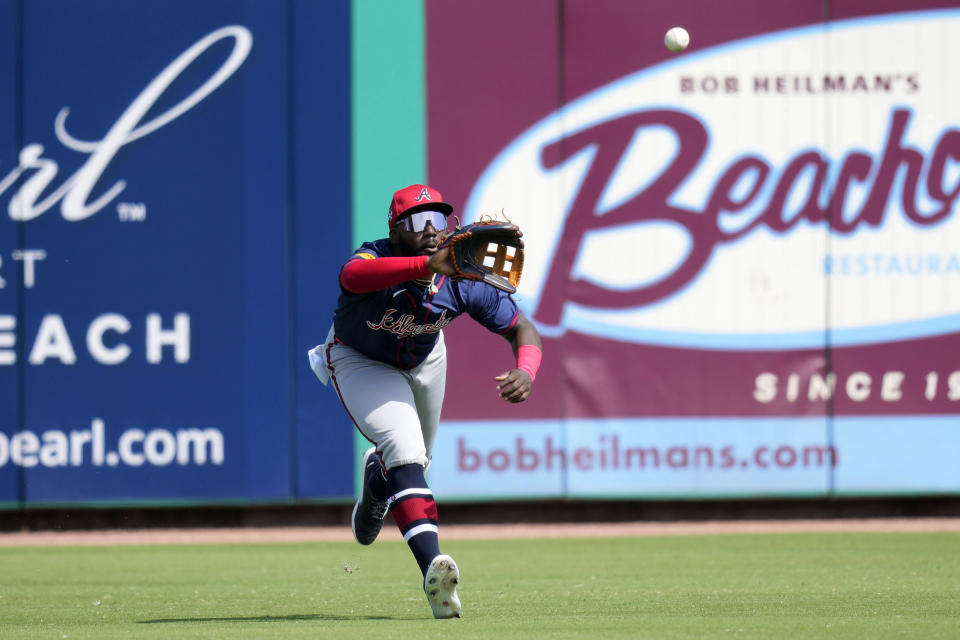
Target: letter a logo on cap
418,196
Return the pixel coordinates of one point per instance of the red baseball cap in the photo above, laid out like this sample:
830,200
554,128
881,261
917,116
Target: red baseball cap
416,197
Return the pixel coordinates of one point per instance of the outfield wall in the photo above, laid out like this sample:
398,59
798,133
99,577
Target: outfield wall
743,259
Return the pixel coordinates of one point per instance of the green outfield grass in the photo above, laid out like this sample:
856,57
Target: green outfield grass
839,585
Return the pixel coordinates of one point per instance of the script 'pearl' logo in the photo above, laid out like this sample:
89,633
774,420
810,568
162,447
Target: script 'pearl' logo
75,192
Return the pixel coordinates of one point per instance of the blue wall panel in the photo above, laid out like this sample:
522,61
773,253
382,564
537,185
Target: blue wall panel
161,350
191,235
322,234
10,475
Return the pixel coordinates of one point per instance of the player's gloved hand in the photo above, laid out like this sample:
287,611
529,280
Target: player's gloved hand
514,385
440,262
488,250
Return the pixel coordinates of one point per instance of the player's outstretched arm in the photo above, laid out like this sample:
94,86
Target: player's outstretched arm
360,275
515,385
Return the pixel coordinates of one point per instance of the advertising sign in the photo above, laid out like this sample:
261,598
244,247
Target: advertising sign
736,255
148,316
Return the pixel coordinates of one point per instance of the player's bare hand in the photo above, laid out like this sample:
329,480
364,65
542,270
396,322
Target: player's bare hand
440,262
514,385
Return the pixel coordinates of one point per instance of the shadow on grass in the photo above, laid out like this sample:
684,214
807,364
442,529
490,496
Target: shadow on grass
304,616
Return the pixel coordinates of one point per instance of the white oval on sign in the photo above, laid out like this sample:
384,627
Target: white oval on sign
798,180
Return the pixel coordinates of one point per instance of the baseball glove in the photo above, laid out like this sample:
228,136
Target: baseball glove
488,250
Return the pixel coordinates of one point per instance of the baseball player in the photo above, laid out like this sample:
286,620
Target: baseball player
386,358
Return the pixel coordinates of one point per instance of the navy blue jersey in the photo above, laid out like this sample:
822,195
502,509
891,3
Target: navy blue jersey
400,325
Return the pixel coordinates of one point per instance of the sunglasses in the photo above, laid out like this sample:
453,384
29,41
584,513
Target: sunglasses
418,221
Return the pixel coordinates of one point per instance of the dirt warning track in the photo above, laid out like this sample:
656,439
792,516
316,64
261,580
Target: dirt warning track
226,535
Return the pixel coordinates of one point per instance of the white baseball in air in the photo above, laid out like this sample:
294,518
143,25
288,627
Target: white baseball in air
677,39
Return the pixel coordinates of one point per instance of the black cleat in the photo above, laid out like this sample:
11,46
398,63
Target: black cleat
369,511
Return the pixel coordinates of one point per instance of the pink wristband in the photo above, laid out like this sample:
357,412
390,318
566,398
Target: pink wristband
528,359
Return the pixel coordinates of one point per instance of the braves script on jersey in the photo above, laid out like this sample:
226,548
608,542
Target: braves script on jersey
399,325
